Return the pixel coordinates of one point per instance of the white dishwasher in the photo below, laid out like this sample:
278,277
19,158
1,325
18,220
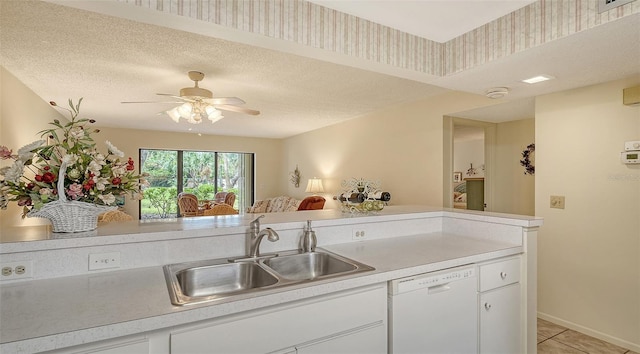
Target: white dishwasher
434,312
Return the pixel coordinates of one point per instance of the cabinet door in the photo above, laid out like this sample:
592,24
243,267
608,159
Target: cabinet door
286,326
113,347
367,340
500,320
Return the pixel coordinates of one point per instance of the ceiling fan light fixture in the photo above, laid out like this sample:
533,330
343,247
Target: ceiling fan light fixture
185,110
174,114
213,114
195,119
200,103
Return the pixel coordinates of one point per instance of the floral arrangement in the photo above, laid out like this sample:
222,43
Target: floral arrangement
89,176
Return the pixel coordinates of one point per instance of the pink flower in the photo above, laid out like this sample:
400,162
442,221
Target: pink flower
5,153
75,191
24,201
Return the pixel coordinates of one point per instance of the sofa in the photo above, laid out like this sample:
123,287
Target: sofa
284,203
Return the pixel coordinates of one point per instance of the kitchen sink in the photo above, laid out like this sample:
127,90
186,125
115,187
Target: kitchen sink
309,265
223,278
210,280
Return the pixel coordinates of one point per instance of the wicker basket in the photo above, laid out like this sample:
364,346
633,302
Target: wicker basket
70,216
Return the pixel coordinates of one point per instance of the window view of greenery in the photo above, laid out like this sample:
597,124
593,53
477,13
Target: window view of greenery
203,173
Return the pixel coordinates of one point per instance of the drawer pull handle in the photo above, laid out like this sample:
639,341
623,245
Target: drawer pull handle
503,275
487,306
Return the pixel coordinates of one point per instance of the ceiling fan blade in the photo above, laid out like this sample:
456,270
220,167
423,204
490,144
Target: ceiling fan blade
225,101
225,107
172,102
182,99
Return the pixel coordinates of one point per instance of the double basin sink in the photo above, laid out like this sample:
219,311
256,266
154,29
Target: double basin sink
210,280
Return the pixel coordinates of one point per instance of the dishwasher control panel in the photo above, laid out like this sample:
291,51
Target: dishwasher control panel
428,280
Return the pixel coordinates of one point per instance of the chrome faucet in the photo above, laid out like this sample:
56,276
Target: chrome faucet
256,235
309,240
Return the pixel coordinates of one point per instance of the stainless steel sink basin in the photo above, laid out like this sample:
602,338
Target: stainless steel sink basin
203,281
310,265
223,278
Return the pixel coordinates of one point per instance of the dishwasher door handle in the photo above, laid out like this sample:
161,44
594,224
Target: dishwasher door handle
438,289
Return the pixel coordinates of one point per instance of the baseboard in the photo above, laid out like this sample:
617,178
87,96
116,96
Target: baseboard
590,332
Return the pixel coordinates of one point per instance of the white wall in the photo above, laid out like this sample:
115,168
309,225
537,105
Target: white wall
467,153
589,253
514,191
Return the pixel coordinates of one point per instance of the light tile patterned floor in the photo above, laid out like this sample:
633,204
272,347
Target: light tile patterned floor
554,339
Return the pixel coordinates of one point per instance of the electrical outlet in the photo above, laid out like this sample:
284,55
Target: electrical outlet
358,234
557,202
99,261
16,270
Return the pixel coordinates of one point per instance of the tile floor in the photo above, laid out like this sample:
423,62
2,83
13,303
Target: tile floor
554,339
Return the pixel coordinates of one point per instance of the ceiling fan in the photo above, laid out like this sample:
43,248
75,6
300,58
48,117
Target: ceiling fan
198,103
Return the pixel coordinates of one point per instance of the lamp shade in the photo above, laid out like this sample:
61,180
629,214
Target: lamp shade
314,186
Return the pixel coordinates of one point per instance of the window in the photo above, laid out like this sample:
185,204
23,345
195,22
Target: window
203,173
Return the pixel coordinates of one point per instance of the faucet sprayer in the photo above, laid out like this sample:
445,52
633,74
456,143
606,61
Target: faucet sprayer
309,240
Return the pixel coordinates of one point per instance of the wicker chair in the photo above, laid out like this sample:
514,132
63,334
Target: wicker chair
230,198
221,209
219,197
188,204
114,215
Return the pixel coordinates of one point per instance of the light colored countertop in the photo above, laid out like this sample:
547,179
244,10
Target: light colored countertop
70,310
35,238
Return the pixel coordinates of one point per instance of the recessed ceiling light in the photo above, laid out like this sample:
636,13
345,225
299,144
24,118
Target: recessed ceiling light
539,78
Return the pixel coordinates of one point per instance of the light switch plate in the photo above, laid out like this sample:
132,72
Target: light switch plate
557,202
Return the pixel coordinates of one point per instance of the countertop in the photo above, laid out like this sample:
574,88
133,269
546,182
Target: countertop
37,238
53,313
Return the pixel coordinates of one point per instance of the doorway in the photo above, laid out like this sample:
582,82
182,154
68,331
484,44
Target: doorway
468,167
469,145
509,129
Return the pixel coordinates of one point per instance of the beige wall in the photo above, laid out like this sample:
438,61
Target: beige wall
514,192
589,253
22,115
402,147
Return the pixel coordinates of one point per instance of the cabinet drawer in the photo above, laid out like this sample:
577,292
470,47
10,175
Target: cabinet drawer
285,326
501,273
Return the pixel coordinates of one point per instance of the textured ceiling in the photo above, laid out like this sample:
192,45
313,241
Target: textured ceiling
62,52
73,53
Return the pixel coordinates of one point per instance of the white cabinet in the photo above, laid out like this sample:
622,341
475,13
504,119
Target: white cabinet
368,340
117,346
500,307
354,321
